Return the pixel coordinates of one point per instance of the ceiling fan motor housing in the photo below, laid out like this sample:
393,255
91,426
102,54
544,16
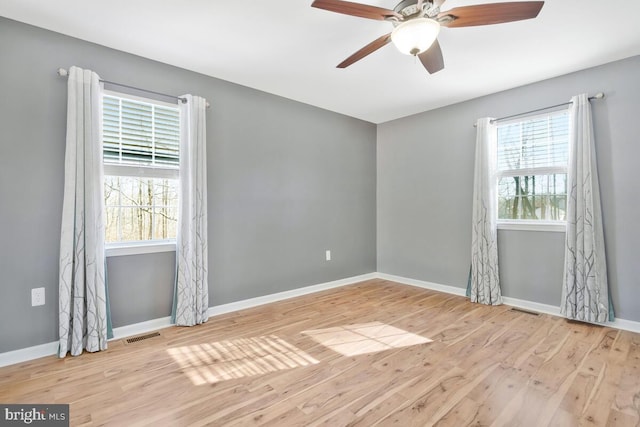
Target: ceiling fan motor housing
409,9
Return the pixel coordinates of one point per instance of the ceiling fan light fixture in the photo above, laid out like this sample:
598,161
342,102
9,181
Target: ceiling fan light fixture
415,36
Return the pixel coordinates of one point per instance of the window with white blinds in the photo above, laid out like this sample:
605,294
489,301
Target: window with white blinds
141,151
137,133
532,168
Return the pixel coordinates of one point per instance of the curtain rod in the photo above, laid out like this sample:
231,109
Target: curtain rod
64,73
598,95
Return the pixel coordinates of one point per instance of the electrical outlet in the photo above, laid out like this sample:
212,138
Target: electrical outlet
327,255
37,297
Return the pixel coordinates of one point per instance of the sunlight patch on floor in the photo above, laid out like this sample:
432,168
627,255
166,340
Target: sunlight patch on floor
351,340
243,357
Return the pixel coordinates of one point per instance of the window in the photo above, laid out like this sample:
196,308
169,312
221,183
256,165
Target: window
141,141
532,163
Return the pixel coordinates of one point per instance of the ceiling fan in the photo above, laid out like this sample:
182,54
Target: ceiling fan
417,24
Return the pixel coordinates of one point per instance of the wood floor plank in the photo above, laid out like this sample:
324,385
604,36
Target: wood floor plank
602,398
372,353
627,398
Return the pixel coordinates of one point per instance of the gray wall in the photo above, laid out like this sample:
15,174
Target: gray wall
425,179
286,182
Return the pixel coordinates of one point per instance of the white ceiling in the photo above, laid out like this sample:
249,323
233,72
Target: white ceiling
287,48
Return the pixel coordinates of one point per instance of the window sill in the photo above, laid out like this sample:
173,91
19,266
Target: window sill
123,249
558,227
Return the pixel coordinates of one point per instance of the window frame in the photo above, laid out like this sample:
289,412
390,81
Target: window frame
529,224
137,171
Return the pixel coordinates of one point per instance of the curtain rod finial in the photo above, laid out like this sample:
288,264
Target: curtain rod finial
62,72
599,95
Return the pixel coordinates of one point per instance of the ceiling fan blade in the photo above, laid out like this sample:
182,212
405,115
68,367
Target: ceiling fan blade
432,58
355,9
368,49
487,14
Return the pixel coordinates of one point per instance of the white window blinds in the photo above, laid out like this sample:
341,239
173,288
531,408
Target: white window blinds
535,145
140,133
532,164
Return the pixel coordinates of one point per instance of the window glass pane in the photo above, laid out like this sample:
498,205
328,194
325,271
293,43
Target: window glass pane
165,223
136,191
136,223
534,197
111,191
165,190
140,208
112,225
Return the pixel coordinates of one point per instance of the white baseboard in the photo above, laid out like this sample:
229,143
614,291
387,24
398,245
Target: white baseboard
254,302
50,349
626,325
29,353
422,284
141,328
532,306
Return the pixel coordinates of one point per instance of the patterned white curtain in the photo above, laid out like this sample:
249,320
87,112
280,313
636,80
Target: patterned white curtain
484,282
585,292
83,319
191,296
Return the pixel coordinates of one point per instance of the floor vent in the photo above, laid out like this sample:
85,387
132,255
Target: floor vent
520,310
142,337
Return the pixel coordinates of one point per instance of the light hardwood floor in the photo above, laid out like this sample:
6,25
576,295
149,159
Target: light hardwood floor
373,353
